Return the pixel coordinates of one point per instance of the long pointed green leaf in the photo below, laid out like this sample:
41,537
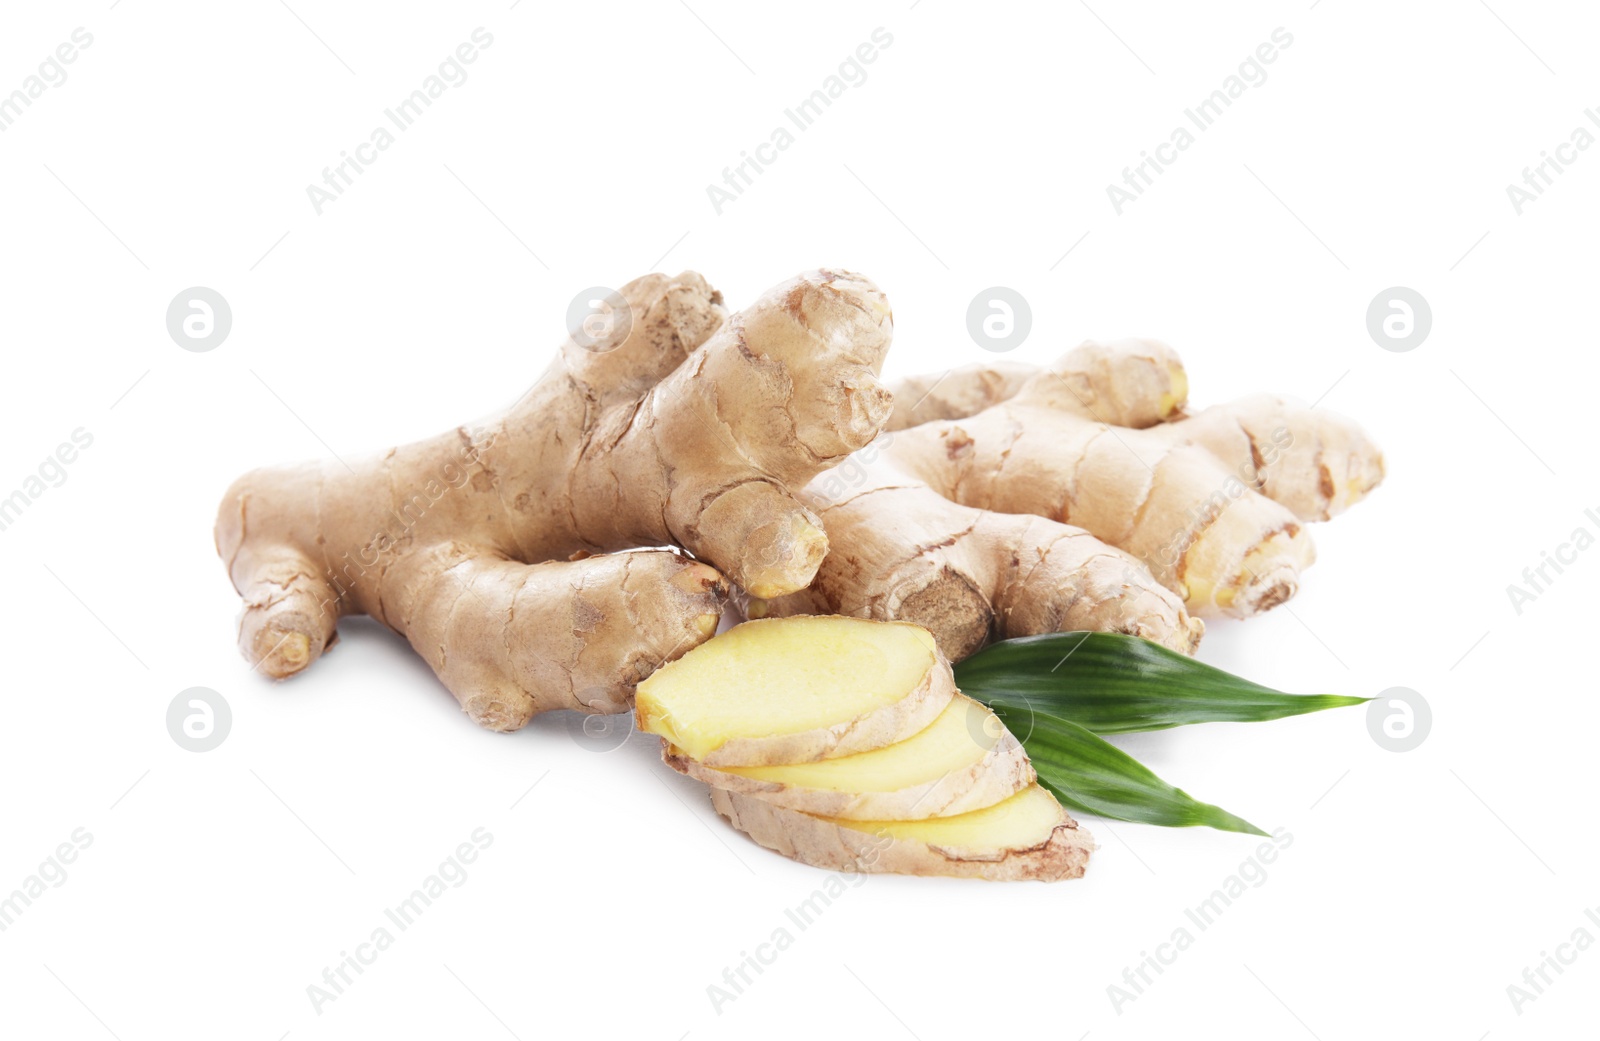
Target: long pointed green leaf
1112,683
1091,775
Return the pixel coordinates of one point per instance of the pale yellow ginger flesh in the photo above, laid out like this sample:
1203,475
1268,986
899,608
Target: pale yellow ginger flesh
957,740
963,759
1025,820
779,677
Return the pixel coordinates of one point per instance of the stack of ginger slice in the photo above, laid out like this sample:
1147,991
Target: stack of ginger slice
844,744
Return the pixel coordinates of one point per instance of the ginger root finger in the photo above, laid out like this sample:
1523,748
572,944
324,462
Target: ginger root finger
1126,383
1315,462
1212,503
1132,383
902,551
781,392
955,394
284,626
511,640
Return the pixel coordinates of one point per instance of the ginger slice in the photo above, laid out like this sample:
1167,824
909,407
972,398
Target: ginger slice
1027,836
964,760
795,690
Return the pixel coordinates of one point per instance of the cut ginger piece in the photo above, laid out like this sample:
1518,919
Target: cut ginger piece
1027,836
964,760
797,690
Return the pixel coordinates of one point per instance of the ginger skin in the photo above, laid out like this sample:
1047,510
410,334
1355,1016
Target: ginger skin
902,551
493,548
1006,502
1213,503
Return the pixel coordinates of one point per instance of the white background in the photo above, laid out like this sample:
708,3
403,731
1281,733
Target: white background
977,153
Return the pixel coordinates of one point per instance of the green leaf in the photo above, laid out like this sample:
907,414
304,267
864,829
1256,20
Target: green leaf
1112,683
1091,775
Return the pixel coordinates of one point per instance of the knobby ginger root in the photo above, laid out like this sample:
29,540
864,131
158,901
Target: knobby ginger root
487,547
956,394
900,550
1213,503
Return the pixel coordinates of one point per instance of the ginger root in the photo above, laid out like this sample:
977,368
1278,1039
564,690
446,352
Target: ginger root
900,550
1050,469
1004,502
491,548
1213,503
